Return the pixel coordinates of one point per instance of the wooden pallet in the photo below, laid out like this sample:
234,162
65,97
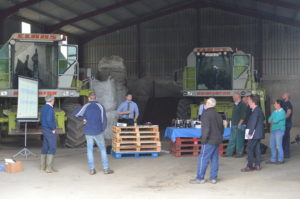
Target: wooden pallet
180,147
136,144
136,149
152,128
188,141
185,153
223,147
192,147
135,138
142,134
135,155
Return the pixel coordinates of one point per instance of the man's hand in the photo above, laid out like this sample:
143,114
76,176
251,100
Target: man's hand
271,122
53,132
84,122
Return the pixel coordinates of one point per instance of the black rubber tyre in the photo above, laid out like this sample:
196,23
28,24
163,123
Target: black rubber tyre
183,108
74,135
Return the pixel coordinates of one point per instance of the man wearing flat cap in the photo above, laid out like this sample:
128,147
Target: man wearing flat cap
49,135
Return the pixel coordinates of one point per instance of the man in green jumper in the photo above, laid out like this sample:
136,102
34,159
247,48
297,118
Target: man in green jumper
237,136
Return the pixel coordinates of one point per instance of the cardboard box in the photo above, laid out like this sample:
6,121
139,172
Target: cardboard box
15,167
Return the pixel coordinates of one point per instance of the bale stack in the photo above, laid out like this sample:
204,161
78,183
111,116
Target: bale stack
136,141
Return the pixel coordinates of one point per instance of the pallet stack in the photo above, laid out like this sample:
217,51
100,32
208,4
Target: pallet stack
136,141
223,147
185,147
191,147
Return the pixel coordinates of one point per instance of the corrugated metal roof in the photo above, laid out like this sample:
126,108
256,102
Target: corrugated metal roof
111,15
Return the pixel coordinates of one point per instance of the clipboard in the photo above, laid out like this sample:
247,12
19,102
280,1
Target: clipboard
247,134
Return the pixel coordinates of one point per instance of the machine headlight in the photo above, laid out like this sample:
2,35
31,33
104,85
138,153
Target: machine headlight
66,93
3,93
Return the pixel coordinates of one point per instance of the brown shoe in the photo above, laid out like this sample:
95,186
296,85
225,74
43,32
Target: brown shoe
257,168
247,169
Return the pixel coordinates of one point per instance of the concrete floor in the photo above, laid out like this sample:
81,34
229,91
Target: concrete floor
163,177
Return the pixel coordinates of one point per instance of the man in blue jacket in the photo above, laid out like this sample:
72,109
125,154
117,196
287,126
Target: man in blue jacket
49,135
93,115
255,127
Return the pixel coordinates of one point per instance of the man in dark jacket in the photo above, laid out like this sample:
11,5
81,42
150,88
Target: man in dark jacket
212,136
93,116
255,129
49,135
237,135
288,108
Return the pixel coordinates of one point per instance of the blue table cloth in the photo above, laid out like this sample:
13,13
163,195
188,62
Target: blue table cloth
173,133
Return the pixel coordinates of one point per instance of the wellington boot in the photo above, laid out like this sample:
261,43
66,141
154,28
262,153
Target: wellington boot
50,163
43,162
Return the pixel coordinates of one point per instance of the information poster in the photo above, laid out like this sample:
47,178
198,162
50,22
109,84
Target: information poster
27,99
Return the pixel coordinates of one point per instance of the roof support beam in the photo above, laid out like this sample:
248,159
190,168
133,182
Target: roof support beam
166,11
281,3
61,5
55,18
97,7
11,10
256,14
91,14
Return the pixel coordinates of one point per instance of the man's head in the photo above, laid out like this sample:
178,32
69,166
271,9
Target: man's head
245,99
128,97
210,102
50,99
285,97
236,97
253,101
92,96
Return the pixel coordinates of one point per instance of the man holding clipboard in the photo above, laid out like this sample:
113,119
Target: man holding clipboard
254,133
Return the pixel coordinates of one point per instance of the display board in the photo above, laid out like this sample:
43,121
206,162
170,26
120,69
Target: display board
27,99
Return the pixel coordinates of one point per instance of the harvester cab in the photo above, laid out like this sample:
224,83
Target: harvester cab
45,57
217,72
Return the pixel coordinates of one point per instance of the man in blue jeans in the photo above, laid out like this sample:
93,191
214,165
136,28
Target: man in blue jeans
212,136
93,116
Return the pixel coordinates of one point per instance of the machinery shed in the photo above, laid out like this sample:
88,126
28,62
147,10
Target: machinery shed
169,55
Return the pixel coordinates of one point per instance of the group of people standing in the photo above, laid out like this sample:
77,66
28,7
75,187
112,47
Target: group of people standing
93,116
247,124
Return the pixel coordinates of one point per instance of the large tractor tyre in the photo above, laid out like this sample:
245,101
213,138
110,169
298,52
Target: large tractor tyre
75,137
74,128
184,109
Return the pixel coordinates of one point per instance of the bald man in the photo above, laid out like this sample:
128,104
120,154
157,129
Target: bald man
212,136
288,107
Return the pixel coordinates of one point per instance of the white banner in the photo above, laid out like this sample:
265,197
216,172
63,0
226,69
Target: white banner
27,99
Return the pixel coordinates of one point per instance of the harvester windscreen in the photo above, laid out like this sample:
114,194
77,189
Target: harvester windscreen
35,60
67,67
214,71
4,66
